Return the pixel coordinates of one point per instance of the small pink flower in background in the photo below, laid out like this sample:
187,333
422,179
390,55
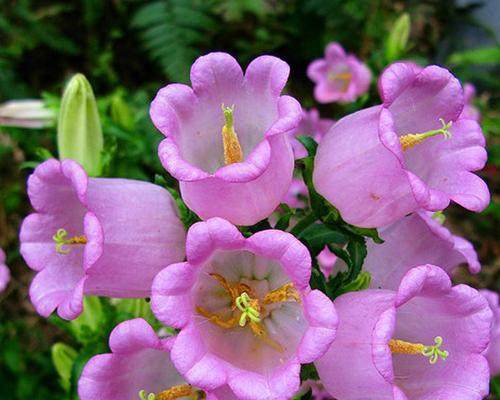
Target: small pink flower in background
246,314
412,241
4,272
28,113
423,341
234,162
95,236
413,152
339,76
327,261
310,125
296,190
470,111
139,362
493,351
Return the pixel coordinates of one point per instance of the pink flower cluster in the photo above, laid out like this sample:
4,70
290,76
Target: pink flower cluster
245,314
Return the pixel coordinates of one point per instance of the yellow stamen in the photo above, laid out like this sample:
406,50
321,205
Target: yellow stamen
281,294
175,392
234,290
232,148
342,76
402,347
218,320
59,239
412,139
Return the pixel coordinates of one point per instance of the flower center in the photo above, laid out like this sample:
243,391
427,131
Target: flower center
432,352
250,310
411,139
232,148
60,240
344,78
173,393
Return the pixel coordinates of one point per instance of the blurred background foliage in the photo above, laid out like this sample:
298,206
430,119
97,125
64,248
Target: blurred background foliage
130,48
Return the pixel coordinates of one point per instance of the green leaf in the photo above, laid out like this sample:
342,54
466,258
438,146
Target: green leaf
482,56
360,283
309,143
308,371
173,31
397,40
121,113
63,358
90,320
357,252
79,132
372,233
495,386
284,220
135,308
317,236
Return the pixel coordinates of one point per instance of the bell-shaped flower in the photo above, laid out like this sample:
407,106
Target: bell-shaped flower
423,341
415,240
470,111
312,125
246,314
493,351
339,76
138,368
4,272
227,137
413,152
95,236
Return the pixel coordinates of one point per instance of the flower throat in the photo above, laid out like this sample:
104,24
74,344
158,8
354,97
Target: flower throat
412,139
250,308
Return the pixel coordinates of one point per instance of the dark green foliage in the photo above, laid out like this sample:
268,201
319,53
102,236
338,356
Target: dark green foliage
172,32
323,226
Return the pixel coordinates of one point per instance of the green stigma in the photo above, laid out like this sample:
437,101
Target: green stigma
143,396
60,239
247,311
434,352
228,116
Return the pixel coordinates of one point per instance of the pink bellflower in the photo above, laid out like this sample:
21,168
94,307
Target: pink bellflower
413,152
246,314
339,76
423,341
95,236
235,162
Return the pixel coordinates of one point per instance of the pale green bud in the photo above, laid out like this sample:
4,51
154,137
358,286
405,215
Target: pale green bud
79,132
63,358
397,40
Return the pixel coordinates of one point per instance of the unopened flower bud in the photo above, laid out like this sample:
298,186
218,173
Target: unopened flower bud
79,132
